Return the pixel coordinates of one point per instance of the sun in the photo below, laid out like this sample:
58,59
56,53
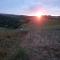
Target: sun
39,14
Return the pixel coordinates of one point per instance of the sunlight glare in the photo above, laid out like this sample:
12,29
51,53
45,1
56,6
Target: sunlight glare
39,14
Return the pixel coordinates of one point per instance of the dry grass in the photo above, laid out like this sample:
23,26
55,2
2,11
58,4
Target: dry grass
38,42
3,53
9,42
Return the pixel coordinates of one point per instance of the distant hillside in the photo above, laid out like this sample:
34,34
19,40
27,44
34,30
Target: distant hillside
12,21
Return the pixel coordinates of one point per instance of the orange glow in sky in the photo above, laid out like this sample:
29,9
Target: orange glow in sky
39,11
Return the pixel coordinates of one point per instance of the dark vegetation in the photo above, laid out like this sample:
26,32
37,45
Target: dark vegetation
15,21
12,21
21,54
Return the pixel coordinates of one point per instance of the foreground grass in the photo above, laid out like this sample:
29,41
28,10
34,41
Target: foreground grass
52,24
10,35
9,41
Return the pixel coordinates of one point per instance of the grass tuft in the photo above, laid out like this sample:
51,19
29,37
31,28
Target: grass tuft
21,55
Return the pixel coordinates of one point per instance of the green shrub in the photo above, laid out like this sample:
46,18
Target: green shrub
21,55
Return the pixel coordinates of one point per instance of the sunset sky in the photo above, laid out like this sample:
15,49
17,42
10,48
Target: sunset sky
30,7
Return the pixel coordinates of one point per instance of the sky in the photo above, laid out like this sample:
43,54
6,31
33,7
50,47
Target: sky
30,7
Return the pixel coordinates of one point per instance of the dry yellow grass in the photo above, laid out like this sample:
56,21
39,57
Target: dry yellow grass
9,42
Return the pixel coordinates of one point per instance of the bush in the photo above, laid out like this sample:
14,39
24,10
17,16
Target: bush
21,55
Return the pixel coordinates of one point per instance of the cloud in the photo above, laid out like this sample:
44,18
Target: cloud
29,6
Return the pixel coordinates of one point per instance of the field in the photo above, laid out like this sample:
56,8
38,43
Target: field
35,44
